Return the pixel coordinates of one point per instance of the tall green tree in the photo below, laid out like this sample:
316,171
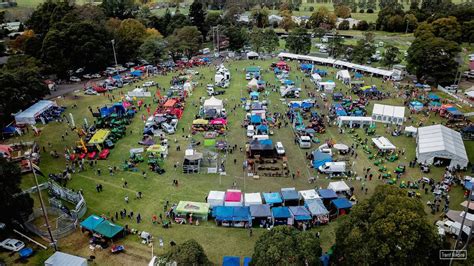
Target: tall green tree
13,207
238,37
152,49
188,253
364,49
257,39
298,41
389,228
467,30
185,41
391,56
287,246
447,28
271,40
323,18
197,16
121,9
47,14
433,58
129,36
260,16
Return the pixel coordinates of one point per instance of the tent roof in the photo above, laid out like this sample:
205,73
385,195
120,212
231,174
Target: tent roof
300,213
289,194
411,129
200,121
231,213
338,186
61,258
309,194
230,261
342,203
34,110
327,193
438,138
216,195
272,198
316,207
200,208
170,103
389,110
261,210
383,143
108,229
91,222
253,83
281,212
233,196
99,137
213,102
252,199
344,74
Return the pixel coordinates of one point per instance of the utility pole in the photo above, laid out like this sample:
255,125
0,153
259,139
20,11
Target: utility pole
43,208
115,55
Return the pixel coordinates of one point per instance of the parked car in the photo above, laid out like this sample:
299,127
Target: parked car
168,128
87,76
96,76
279,148
12,244
75,79
90,91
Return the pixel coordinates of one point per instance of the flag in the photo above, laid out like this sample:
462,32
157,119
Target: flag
36,169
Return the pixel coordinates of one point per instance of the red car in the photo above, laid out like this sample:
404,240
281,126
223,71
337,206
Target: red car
100,89
92,155
104,154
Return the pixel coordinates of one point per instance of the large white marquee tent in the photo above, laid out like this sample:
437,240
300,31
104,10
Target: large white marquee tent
388,114
439,142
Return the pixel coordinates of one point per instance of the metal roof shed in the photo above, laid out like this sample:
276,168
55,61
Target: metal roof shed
60,259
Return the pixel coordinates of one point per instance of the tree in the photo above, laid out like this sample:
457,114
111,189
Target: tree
390,56
467,30
257,39
447,28
388,3
342,11
238,37
322,18
287,246
186,41
128,38
298,41
433,58
362,4
287,22
13,207
213,19
152,49
121,9
21,84
260,16
390,18
388,228
412,22
197,16
47,14
188,253
271,40
362,25
364,49
336,46
344,25
371,4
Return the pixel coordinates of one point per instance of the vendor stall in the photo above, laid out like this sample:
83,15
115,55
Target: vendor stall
339,187
233,197
261,214
91,222
232,216
344,76
290,196
272,198
318,211
342,205
300,215
309,194
388,114
216,198
100,136
383,144
281,216
252,199
109,230
30,115
198,210
213,103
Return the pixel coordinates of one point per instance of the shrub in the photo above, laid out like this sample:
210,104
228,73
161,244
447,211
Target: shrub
370,11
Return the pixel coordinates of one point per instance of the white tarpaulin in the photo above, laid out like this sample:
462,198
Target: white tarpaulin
438,141
29,115
139,92
216,198
309,194
213,103
383,143
253,83
339,186
411,129
252,199
316,77
388,114
354,120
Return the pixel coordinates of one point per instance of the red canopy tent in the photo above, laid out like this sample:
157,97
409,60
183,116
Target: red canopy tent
170,103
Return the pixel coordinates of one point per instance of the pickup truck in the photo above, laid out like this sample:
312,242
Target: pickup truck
12,244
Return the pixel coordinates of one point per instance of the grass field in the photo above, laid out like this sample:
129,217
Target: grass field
217,241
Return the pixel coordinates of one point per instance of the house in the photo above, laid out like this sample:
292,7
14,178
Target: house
243,18
274,19
11,26
352,22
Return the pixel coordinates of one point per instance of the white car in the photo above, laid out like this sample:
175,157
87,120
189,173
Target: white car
168,128
79,70
248,76
90,91
75,79
87,76
12,244
149,83
279,148
96,76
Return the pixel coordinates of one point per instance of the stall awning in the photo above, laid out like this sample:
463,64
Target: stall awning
92,222
108,229
281,213
200,122
327,193
100,136
272,198
199,208
309,194
260,211
316,207
383,143
233,196
300,213
289,194
342,203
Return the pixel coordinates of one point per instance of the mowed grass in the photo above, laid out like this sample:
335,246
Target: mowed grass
217,241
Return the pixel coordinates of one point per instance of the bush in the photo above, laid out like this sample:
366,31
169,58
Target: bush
363,25
344,25
370,11
361,11
311,8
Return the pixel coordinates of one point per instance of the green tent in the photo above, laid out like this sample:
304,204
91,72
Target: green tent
209,142
197,209
108,229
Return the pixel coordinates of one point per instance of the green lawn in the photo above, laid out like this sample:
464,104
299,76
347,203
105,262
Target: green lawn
157,189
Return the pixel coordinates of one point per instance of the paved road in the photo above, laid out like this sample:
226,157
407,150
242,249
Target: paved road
65,89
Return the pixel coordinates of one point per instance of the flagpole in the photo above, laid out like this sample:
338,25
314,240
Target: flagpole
45,214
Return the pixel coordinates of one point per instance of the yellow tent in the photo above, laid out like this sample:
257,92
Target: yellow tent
200,122
156,148
99,137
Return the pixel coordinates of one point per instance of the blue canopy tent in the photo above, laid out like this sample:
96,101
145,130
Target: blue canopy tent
117,77
342,205
340,111
91,222
231,214
433,97
358,75
320,158
247,261
276,70
255,119
262,130
222,213
289,82
294,105
136,73
320,72
290,196
254,95
416,105
300,213
108,229
10,130
272,198
306,105
306,67
318,211
281,215
337,96
327,194
261,82
260,211
419,85
435,104
230,261
454,112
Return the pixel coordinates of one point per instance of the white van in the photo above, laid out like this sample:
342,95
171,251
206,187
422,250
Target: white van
279,148
260,137
333,167
304,142
250,131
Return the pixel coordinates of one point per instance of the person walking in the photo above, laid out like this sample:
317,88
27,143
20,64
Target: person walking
126,199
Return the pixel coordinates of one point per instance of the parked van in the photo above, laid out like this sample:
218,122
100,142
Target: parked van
304,142
250,131
260,137
333,167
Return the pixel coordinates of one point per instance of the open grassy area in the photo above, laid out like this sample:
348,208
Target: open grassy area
217,241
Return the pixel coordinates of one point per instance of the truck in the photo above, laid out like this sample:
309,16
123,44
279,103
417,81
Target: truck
332,168
211,91
449,227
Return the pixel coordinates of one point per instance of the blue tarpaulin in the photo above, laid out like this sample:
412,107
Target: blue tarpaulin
320,158
358,75
316,207
136,73
261,210
433,97
300,213
454,111
342,203
416,105
117,77
231,213
92,222
247,261
276,70
254,94
327,193
230,261
295,105
290,194
272,198
320,72
289,82
255,119
467,185
262,128
339,110
306,105
306,67
281,213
